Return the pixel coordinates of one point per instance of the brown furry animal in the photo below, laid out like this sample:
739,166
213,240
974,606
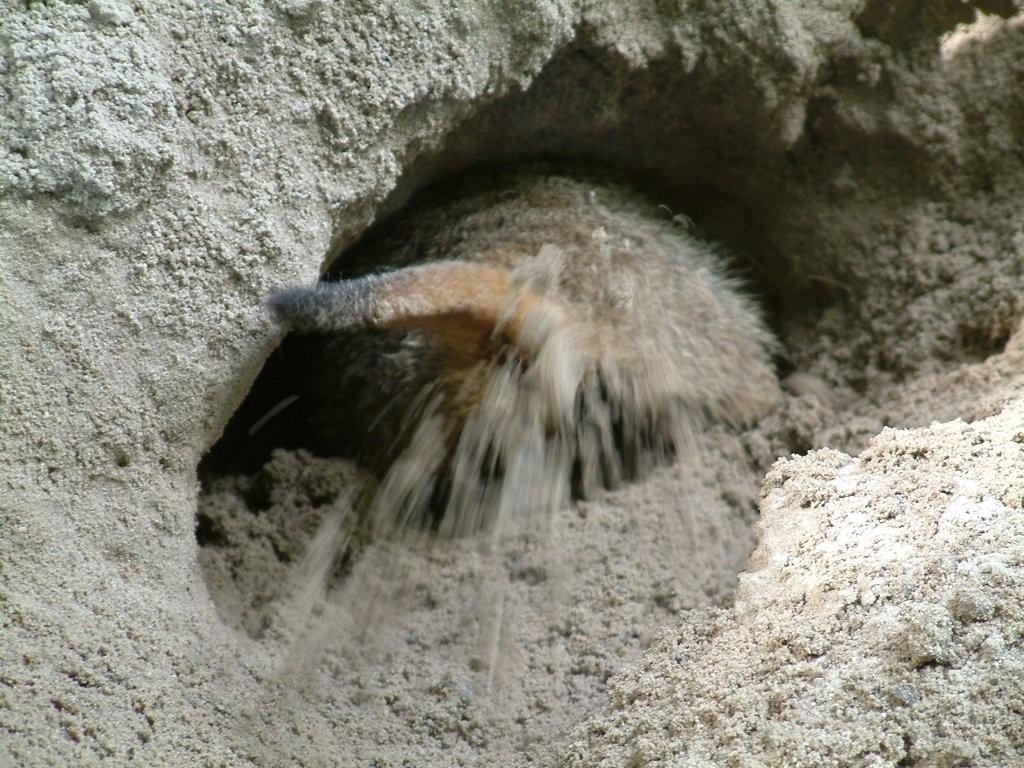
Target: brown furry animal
534,332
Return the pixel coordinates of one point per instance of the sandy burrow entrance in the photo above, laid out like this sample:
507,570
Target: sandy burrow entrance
165,166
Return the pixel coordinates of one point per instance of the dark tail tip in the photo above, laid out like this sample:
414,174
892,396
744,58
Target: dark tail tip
281,304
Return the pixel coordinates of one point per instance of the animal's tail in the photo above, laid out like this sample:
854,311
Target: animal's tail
462,304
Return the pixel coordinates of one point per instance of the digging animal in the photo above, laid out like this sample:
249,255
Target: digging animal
534,336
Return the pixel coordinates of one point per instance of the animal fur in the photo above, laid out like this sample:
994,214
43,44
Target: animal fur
533,334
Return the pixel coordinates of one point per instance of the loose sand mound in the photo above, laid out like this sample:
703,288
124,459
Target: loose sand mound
163,165
878,622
